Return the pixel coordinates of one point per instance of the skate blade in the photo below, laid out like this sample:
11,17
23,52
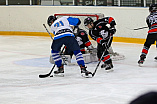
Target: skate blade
86,76
59,75
140,65
110,70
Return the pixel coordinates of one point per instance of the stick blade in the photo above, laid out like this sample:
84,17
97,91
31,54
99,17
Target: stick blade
43,76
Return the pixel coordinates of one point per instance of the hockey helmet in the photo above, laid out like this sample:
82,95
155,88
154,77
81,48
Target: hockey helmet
153,7
88,20
50,19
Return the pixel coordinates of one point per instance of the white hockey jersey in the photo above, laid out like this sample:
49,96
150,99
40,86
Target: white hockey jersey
61,27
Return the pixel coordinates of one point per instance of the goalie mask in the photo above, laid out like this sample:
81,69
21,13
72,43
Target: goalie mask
153,7
50,19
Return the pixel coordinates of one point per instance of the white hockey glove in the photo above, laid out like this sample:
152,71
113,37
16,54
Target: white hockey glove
91,49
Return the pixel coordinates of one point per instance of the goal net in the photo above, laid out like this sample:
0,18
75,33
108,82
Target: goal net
94,16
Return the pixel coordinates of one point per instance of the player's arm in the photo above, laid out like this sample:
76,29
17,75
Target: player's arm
147,21
86,40
112,23
74,21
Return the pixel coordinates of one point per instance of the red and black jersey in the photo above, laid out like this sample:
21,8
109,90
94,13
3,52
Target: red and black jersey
100,31
82,39
152,22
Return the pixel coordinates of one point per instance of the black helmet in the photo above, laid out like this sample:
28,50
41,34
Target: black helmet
50,19
153,7
88,20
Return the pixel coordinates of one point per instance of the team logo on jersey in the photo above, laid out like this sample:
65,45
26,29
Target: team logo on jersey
82,33
100,27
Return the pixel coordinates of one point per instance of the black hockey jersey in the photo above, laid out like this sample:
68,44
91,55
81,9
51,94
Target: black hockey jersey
82,39
152,22
100,30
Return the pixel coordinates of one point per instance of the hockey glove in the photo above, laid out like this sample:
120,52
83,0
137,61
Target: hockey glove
91,49
112,30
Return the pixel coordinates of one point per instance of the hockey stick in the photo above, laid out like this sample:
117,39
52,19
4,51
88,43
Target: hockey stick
100,59
46,75
98,63
140,28
47,31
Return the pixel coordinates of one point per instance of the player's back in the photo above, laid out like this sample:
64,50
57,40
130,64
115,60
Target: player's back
61,27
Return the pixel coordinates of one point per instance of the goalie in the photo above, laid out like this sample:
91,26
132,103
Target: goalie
82,38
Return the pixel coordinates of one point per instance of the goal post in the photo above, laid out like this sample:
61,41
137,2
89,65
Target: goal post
97,15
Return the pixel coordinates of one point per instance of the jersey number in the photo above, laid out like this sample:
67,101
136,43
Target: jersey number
58,24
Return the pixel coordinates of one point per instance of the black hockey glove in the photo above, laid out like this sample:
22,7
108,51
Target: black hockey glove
112,30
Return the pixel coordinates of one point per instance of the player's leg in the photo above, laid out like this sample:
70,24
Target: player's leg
149,41
72,45
56,46
106,58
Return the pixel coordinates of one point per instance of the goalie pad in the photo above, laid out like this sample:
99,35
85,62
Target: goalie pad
88,58
116,56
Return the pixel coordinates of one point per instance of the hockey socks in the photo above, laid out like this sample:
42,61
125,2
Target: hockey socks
57,58
79,57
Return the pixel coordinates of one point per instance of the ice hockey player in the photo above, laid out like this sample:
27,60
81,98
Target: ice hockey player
151,21
82,38
103,35
64,35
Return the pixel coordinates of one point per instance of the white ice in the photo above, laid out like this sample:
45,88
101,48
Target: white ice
23,58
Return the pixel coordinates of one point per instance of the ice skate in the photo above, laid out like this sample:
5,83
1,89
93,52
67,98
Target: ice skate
142,57
85,73
103,65
109,67
59,72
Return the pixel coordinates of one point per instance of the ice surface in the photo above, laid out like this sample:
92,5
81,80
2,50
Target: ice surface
23,58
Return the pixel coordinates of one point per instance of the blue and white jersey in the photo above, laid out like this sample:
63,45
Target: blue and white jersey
61,27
